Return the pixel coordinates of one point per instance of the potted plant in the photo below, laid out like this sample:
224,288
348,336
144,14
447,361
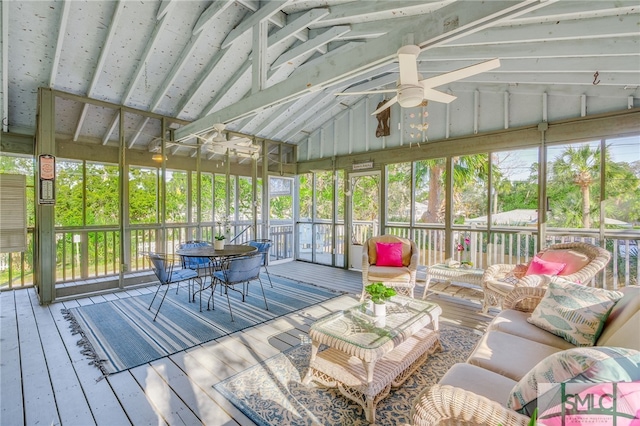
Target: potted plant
379,294
223,230
218,244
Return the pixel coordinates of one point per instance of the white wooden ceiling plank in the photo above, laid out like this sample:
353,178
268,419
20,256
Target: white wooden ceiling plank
159,27
185,53
297,25
112,127
62,30
266,11
197,85
4,40
155,35
105,53
322,116
375,53
568,64
619,25
368,11
312,44
164,8
617,46
606,78
253,125
241,73
212,12
577,10
138,131
303,114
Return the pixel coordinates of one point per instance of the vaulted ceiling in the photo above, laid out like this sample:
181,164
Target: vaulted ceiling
271,69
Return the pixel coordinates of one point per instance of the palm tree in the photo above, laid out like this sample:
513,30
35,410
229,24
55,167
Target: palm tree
581,166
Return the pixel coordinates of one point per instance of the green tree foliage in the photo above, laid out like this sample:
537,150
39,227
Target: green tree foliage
143,191
176,199
102,194
574,188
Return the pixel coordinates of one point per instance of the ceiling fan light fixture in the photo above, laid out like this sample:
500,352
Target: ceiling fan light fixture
410,96
158,157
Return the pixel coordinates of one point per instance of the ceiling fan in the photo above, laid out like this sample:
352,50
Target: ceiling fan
218,143
411,91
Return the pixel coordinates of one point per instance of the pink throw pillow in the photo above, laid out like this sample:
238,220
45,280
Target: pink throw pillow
389,254
539,266
575,260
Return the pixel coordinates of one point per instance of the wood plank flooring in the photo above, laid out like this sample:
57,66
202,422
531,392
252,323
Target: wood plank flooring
46,380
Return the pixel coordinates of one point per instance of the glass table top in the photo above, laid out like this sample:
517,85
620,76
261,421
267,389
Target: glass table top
358,326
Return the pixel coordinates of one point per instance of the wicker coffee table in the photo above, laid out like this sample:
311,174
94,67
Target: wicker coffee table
367,356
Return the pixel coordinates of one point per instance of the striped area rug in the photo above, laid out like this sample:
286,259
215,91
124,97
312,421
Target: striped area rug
121,334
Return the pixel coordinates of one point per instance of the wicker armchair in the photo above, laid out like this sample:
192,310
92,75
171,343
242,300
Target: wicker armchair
401,278
495,289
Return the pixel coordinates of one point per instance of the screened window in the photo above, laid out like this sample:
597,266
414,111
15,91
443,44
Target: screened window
143,195
306,196
324,195
573,185
69,209
470,174
399,193
514,197
622,183
430,190
103,201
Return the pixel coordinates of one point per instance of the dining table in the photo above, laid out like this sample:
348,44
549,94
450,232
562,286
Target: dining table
220,259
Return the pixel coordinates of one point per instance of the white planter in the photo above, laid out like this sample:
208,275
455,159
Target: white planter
218,244
379,310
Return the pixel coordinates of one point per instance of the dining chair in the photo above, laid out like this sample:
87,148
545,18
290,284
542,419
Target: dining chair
202,265
263,247
240,270
164,268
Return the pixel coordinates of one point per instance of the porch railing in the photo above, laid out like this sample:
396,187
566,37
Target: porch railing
94,252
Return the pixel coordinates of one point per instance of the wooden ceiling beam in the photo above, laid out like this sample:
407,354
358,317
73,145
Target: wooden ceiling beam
265,12
62,30
426,30
105,53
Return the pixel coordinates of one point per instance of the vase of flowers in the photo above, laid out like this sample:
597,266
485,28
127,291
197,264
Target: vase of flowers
379,294
465,253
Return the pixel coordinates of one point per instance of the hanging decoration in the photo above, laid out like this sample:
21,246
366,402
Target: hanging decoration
384,119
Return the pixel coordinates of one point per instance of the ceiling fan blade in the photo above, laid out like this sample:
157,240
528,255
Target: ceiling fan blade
386,105
460,73
373,92
408,62
437,96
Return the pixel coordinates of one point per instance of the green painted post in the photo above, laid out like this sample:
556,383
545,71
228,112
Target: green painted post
45,236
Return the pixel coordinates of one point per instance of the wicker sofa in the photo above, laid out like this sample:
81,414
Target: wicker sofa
587,260
476,392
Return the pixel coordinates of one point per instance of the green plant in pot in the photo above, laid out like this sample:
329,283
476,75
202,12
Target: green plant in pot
379,294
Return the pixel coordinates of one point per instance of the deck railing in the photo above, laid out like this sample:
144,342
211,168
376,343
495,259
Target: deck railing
88,253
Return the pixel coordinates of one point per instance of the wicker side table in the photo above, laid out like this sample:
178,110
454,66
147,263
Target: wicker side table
442,272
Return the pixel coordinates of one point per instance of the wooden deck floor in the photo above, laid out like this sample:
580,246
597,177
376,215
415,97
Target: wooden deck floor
45,379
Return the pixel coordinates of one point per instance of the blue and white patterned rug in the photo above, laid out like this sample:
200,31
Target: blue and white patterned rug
121,334
272,393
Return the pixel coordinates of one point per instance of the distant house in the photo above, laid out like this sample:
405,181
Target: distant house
527,217
518,217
